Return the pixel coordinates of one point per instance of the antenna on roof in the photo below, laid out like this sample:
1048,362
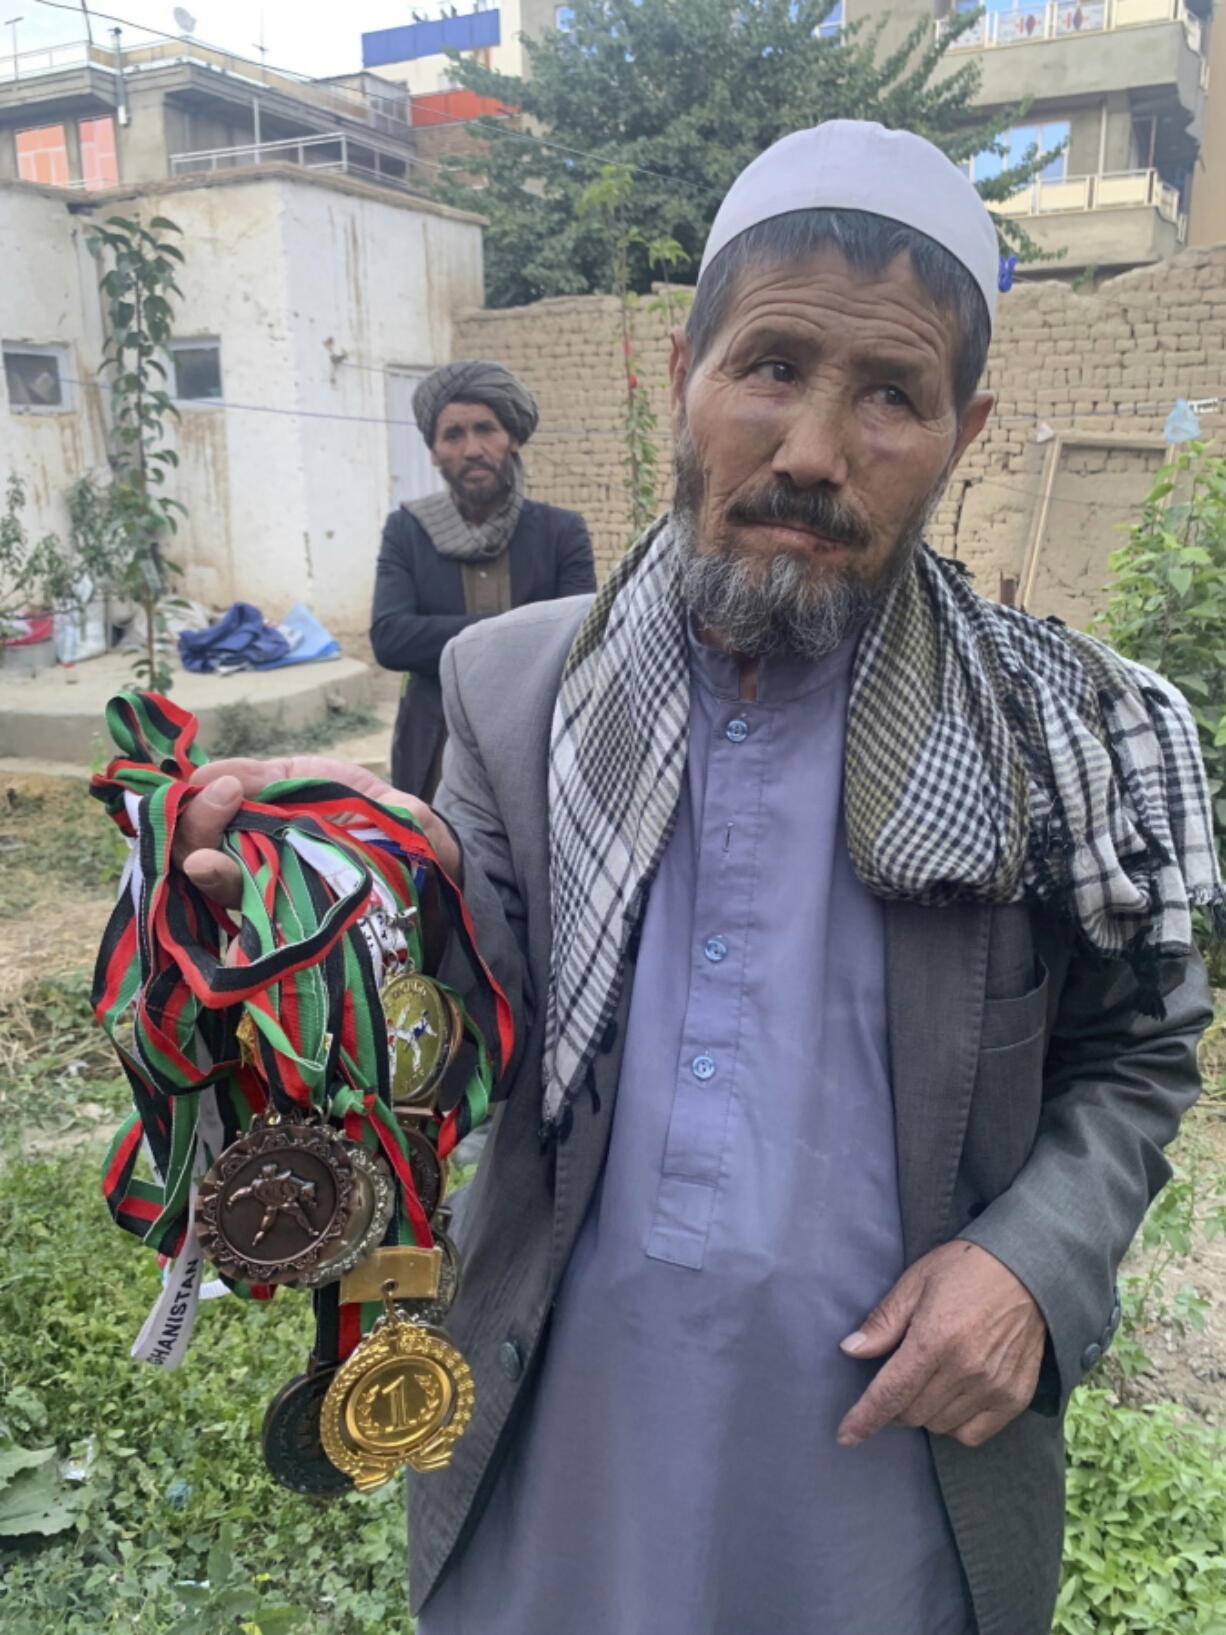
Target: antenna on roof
184,20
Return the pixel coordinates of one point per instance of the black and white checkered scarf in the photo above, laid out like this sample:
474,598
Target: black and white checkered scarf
991,757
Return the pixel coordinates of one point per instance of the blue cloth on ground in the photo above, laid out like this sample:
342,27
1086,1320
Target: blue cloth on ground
307,640
240,640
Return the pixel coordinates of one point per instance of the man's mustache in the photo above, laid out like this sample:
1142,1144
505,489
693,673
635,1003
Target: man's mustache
813,509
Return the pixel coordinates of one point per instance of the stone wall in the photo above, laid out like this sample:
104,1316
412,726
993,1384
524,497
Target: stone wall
1084,382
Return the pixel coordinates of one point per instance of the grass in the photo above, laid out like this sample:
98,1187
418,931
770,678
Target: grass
53,832
170,1457
167,1484
244,730
165,1478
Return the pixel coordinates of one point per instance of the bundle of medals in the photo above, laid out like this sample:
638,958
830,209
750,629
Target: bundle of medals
299,1081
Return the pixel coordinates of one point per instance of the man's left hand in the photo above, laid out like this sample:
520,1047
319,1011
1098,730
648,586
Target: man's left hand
968,1342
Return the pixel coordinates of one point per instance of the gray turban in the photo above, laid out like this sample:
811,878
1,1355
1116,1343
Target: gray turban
475,381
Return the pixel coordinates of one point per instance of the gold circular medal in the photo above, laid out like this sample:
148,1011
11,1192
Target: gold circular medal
405,1391
277,1202
374,1198
247,1036
423,1035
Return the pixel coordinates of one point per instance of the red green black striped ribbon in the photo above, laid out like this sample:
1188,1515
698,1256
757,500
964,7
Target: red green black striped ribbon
175,973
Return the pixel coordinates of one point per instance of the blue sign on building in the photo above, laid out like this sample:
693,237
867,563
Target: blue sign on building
467,33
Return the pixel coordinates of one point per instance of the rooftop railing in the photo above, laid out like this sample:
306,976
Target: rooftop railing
1061,19
331,151
386,112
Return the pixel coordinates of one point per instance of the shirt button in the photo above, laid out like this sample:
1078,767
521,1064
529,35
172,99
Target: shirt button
737,731
511,1359
715,948
702,1067
1090,1356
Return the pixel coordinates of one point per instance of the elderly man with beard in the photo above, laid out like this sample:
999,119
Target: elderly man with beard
847,916
476,550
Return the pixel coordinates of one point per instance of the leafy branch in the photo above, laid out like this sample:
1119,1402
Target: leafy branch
1168,605
137,287
607,202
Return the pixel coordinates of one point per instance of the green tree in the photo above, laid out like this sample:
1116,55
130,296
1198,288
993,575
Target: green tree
685,93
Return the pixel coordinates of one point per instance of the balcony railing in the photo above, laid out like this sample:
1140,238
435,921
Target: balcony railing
332,151
1117,190
1060,19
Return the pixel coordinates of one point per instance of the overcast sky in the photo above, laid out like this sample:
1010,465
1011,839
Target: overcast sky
308,36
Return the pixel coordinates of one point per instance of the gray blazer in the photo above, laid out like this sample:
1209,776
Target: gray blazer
1032,1106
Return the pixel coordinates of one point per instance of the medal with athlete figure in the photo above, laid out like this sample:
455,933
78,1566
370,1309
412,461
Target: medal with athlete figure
424,1029
291,1202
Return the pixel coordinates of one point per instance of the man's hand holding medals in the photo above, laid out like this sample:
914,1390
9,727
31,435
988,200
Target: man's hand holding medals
299,1077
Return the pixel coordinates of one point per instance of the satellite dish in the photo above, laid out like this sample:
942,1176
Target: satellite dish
184,20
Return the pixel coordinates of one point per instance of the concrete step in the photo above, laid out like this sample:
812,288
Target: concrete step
58,718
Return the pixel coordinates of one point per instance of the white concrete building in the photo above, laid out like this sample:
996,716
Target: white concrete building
312,304
319,286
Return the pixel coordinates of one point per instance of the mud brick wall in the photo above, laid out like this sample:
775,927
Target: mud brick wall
1099,368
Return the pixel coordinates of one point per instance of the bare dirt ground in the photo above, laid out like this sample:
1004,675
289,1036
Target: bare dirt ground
1191,1368
51,912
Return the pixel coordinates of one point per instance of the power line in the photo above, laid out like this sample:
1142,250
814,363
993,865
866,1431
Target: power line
545,433
1148,410
161,34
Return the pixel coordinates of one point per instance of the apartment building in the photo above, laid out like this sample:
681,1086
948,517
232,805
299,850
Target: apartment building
1122,87
1119,85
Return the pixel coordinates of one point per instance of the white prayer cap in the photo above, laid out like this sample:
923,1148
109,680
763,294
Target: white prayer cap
853,164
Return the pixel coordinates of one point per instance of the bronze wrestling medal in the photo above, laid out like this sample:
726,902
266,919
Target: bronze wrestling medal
424,1030
293,1450
426,1167
282,1200
374,1202
404,1397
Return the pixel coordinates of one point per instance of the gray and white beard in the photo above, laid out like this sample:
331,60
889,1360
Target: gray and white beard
778,605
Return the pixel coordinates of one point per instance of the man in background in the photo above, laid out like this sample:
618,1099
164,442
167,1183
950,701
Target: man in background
477,549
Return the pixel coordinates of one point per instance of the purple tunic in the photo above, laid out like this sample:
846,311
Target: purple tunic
677,1471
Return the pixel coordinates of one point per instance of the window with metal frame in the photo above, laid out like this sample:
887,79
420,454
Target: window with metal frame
36,378
42,155
99,162
1019,143
195,367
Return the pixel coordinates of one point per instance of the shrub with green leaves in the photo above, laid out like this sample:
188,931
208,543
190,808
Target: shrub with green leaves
1145,1547
1168,597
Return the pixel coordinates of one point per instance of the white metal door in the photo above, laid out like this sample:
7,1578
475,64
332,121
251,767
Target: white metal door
413,474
